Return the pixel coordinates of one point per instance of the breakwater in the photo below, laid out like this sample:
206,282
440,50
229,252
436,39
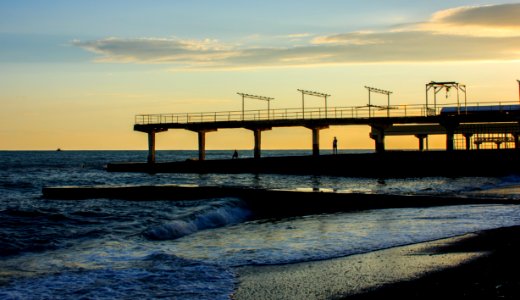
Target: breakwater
266,202
390,164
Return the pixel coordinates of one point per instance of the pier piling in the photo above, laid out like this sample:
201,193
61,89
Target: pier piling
257,131
151,147
467,137
202,145
201,134
316,139
151,143
378,135
421,138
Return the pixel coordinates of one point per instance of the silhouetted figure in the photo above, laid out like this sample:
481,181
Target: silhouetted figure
335,146
235,155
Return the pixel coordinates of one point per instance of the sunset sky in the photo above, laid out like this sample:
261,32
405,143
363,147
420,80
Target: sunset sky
74,73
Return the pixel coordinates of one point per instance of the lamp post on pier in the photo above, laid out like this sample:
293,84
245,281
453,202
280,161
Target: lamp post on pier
268,99
311,93
380,91
439,86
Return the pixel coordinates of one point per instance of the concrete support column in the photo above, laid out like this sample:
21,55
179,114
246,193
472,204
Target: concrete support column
202,145
378,135
450,127
450,145
151,147
468,136
258,143
421,138
151,142
516,139
258,140
201,135
315,142
316,139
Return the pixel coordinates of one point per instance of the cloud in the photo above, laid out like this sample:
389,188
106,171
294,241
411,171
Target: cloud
504,15
156,50
478,33
489,20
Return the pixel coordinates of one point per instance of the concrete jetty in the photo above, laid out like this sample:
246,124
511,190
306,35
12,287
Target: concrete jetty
265,202
390,164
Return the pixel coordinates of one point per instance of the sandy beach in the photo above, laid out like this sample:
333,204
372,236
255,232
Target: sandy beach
349,275
477,265
469,266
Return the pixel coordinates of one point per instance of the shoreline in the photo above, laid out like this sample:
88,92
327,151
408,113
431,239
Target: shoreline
350,275
474,265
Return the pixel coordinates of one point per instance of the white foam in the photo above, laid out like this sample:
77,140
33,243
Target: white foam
207,219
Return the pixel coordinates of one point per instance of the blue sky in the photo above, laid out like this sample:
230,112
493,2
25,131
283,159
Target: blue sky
80,70
42,30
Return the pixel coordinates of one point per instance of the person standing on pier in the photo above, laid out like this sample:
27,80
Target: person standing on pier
335,146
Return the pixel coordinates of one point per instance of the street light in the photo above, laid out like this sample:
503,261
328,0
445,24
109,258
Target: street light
268,99
311,93
439,86
379,91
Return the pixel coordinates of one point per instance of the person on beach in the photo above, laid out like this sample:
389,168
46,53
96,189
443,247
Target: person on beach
335,146
235,155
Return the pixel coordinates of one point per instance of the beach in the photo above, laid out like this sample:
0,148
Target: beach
483,264
490,276
349,275
478,265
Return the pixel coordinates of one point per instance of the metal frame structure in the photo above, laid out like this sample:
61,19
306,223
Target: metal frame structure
439,86
311,93
268,99
379,91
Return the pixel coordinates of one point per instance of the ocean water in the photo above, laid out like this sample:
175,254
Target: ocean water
106,249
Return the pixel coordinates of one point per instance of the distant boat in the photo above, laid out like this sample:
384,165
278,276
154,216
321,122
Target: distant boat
59,149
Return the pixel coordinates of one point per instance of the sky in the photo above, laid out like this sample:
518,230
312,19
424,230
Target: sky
73,74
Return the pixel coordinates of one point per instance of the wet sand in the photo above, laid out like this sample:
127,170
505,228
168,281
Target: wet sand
481,265
492,276
349,275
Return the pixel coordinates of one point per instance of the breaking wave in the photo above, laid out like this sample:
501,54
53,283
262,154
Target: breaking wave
214,217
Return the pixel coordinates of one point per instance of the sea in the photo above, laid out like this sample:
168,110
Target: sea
117,249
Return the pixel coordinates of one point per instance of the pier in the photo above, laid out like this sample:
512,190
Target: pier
482,131
498,126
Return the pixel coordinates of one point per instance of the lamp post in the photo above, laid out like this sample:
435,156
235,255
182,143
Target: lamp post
439,86
311,93
268,99
380,91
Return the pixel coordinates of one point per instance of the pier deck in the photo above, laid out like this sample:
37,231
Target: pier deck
414,120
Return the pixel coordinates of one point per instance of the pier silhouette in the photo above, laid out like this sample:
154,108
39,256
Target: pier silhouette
413,120
476,126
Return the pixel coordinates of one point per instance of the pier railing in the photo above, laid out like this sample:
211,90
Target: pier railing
353,112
